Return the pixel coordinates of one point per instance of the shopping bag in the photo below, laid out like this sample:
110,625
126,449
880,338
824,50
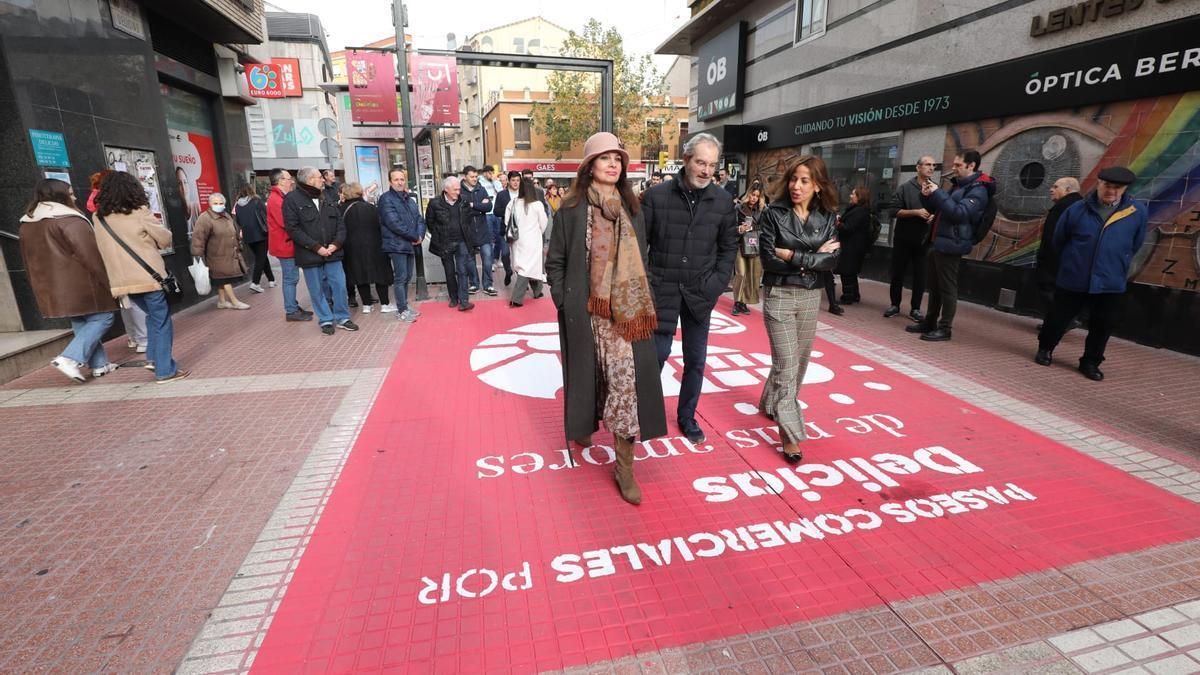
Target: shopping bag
199,272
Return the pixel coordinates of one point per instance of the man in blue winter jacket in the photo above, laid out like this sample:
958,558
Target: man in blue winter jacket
1096,239
954,220
402,229
479,205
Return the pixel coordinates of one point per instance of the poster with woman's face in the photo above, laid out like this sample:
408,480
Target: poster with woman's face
195,171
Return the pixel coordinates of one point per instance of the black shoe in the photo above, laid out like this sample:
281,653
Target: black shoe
919,328
1091,372
507,278
692,432
939,335
1043,357
538,295
327,328
514,304
298,316
793,457
348,325
472,290
353,303
303,311
490,291
847,299
891,311
916,315
836,310
453,304
466,307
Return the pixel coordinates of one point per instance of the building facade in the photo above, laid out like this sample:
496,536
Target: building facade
155,89
1042,89
511,142
295,123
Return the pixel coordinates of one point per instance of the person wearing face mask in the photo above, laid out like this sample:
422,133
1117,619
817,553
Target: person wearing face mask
218,241
692,232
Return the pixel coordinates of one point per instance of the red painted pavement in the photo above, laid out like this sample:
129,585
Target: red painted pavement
459,539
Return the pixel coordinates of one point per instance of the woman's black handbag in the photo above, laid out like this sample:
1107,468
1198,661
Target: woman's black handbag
511,231
750,244
170,285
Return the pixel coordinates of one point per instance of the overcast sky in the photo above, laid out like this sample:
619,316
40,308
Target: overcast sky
644,24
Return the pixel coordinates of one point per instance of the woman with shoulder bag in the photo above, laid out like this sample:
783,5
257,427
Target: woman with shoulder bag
526,217
218,241
747,268
798,245
606,320
365,261
129,239
68,276
251,214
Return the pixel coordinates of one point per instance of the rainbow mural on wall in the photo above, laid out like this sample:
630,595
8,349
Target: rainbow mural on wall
1158,138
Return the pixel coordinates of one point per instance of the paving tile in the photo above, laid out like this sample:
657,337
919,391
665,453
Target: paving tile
1161,618
1077,640
1187,636
1145,648
1175,665
1100,659
1118,629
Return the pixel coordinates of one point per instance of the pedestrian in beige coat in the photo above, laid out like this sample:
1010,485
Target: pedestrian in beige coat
218,240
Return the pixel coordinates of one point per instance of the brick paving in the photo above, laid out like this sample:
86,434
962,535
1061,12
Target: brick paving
149,535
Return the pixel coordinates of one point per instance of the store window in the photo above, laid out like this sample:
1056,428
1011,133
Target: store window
810,20
521,136
872,162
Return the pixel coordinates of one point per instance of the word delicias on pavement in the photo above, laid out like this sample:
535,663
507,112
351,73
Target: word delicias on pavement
873,474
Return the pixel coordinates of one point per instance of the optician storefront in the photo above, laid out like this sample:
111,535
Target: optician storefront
1081,91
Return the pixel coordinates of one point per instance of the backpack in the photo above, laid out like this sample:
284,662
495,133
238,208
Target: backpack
980,230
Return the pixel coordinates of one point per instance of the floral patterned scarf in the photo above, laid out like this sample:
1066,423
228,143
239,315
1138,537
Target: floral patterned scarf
620,291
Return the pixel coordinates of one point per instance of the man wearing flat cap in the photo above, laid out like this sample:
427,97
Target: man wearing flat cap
1096,239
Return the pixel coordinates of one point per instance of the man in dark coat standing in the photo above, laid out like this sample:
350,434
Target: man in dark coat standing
1065,192
479,233
1096,240
691,231
446,217
317,229
403,230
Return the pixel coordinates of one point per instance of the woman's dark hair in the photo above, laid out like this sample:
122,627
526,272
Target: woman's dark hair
583,181
827,199
864,196
248,190
527,192
120,193
51,190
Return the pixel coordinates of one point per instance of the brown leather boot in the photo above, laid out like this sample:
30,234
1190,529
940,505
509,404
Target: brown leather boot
630,491
586,441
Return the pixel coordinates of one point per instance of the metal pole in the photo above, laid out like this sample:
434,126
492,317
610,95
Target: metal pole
410,148
606,98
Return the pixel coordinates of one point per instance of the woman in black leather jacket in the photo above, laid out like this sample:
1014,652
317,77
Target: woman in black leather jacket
797,243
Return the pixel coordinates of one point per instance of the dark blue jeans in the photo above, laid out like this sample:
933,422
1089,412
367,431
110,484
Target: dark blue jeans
695,350
457,260
404,265
160,332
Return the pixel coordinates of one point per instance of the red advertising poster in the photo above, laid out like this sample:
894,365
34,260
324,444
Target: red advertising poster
289,76
278,79
435,89
195,171
372,87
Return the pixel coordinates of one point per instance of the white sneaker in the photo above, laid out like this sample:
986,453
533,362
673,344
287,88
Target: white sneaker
271,284
141,349
385,309
256,288
366,309
101,372
69,368
131,343
221,304
407,316
415,311
239,305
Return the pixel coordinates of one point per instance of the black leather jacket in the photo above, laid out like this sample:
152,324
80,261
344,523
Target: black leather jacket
780,227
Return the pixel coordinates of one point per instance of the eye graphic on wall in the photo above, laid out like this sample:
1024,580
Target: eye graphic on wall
1026,157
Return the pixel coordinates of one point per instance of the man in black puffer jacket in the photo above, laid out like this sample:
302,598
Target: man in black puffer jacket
319,232
691,233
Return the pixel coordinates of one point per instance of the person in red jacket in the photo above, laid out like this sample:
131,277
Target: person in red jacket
280,245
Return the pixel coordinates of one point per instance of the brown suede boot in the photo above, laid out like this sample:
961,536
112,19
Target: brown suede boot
586,441
630,491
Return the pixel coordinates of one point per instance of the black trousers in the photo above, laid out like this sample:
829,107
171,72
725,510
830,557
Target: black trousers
831,288
904,255
850,287
695,349
261,266
1103,309
364,292
943,295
